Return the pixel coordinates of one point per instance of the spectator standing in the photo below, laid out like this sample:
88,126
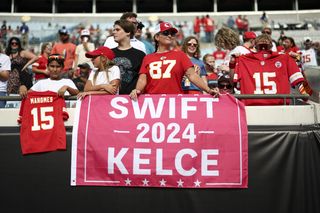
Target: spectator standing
84,47
138,35
289,47
39,68
197,27
20,79
230,22
3,33
55,83
127,58
131,17
309,56
65,48
209,28
247,46
240,24
5,68
191,47
105,78
264,19
24,31
267,30
162,72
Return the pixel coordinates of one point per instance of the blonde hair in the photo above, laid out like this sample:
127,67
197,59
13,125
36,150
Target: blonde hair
227,38
104,68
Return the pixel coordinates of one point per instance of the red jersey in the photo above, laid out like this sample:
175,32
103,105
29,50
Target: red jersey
42,126
41,64
165,71
266,73
219,54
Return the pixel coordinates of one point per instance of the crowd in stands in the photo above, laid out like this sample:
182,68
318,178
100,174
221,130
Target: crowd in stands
135,59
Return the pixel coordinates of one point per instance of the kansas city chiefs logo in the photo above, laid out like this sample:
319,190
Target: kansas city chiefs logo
278,64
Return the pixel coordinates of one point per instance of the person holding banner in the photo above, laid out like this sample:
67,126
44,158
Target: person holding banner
55,83
105,78
162,72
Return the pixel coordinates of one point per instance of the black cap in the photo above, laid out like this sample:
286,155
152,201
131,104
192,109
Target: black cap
84,65
140,25
63,31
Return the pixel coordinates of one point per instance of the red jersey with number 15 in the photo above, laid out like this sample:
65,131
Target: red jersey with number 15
266,73
42,116
165,71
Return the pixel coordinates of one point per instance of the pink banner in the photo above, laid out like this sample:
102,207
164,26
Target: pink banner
186,141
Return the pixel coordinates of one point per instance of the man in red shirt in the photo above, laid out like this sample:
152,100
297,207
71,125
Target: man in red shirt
266,72
66,49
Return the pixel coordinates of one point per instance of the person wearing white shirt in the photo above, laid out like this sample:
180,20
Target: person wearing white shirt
135,43
105,78
5,67
55,83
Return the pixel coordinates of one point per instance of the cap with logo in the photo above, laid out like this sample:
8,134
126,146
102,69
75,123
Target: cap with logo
163,26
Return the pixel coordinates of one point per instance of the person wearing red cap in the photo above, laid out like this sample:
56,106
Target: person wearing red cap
247,46
105,78
162,72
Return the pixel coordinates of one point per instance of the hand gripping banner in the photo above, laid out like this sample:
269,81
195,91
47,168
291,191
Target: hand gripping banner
187,141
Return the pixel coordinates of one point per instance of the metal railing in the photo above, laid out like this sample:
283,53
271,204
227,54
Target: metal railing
285,97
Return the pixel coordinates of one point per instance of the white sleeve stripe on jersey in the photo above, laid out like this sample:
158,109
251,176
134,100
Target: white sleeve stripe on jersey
295,77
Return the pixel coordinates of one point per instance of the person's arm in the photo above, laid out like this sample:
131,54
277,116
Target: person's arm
40,71
141,84
65,88
4,75
29,55
195,79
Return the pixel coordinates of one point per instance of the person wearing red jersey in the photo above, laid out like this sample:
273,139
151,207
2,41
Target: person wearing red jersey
39,68
197,27
266,72
42,116
162,72
219,56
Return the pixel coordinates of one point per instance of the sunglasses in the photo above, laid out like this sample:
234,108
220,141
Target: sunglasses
14,43
56,57
168,32
192,44
223,86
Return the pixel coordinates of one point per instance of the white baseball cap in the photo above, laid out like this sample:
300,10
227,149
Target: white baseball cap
85,32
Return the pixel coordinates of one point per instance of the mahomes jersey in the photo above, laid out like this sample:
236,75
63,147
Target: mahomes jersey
165,71
266,73
42,116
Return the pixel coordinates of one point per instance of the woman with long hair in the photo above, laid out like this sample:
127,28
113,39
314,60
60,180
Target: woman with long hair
39,68
105,78
162,72
20,79
191,47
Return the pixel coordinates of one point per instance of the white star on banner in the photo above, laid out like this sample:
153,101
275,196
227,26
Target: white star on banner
197,183
145,182
180,183
162,182
128,182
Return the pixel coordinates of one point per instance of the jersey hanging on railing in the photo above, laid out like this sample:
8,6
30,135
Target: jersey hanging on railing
42,116
160,141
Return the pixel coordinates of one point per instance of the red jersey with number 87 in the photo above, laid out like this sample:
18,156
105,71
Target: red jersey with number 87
42,116
165,71
266,73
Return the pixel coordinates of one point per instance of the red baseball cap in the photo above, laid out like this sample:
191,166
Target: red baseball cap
105,51
163,26
249,35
